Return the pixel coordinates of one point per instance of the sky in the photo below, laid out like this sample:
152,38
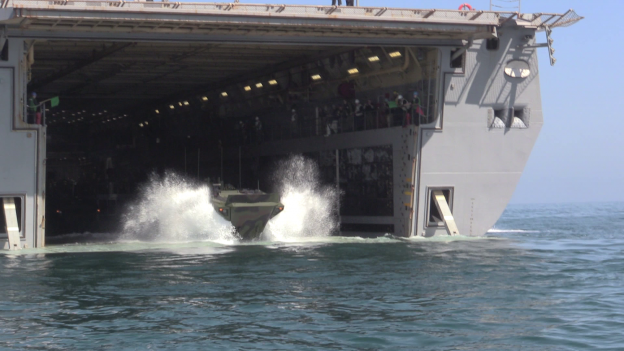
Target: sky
578,156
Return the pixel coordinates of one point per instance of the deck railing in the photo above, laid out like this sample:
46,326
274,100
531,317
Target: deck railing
320,11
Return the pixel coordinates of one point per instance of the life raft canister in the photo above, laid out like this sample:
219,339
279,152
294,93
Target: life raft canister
465,6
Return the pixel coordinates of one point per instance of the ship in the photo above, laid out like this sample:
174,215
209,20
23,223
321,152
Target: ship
249,211
422,119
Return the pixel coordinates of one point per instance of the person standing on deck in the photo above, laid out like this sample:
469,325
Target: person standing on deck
358,115
32,108
293,123
259,132
347,115
369,112
406,106
387,111
331,125
334,2
417,109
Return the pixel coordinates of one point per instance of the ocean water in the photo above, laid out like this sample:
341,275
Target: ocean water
547,277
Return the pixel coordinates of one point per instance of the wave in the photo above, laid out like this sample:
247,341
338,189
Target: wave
495,230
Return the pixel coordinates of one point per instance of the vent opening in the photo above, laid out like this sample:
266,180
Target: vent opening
458,62
18,212
500,118
492,44
434,218
518,117
521,117
4,54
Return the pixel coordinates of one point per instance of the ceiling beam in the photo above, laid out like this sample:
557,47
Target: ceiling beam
98,55
257,73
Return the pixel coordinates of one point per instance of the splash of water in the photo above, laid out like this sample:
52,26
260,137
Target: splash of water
310,209
174,209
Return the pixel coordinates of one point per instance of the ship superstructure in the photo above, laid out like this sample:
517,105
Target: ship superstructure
423,118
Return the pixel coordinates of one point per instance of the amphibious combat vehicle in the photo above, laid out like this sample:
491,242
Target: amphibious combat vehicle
249,211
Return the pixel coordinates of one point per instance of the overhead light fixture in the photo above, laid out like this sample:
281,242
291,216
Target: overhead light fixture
224,94
186,103
395,54
373,58
156,111
353,71
171,107
205,98
247,88
141,125
180,103
316,77
146,123
273,82
258,85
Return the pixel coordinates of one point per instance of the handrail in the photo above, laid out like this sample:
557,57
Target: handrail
281,10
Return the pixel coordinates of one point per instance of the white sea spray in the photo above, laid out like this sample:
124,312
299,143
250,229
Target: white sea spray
310,209
174,209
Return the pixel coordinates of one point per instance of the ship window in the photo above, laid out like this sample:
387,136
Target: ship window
434,218
492,44
4,55
458,62
19,210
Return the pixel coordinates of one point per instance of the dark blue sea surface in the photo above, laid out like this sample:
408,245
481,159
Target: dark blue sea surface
547,277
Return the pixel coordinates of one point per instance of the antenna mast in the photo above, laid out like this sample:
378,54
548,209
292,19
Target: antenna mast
505,5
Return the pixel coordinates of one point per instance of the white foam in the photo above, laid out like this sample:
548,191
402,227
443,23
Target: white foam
450,238
174,209
494,230
310,209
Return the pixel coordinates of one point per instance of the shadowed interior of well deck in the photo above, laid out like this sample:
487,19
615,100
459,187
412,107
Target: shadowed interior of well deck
132,109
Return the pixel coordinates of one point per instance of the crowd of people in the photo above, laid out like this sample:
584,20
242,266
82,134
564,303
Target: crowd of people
347,116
